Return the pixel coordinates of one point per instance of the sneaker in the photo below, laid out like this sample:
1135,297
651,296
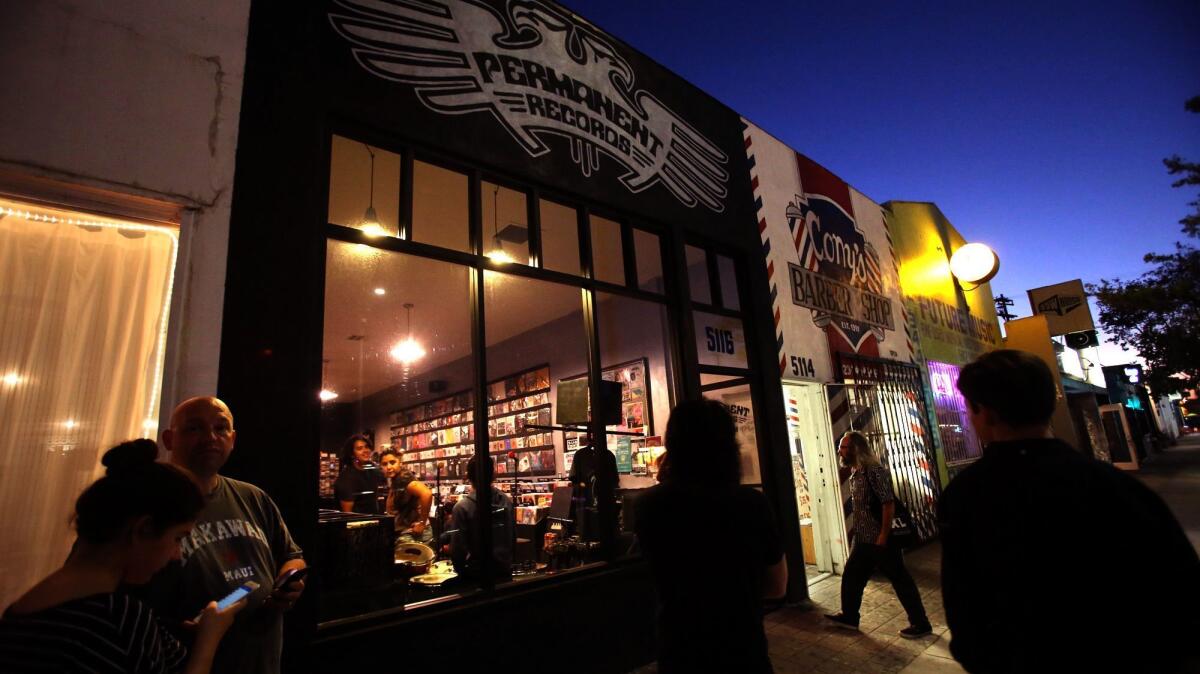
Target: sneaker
842,620
916,631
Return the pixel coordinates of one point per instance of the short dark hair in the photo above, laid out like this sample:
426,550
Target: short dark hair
347,456
136,485
1016,385
489,471
387,451
702,445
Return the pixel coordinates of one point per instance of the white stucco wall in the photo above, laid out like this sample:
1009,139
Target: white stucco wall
140,99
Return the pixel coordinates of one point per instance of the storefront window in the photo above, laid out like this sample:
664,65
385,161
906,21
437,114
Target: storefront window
649,261
440,207
954,423
729,288
364,187
697,266
537,378
738,399
635,353
399,374
505,226
608,263
560,237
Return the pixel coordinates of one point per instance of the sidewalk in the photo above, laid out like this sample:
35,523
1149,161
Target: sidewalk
803,641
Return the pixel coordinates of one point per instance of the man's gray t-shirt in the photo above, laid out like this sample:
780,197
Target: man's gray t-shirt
239,536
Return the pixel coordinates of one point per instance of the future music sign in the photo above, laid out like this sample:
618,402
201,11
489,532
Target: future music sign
540,73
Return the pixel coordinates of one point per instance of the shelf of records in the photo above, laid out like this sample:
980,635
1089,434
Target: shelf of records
436,439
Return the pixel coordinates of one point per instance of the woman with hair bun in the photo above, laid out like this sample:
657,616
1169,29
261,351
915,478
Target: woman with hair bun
129,525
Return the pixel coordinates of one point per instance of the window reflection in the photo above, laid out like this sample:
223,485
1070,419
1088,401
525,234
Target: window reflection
697,267
608,263
560,237
741,406
729,288
364,187
505,227
649,261
440,208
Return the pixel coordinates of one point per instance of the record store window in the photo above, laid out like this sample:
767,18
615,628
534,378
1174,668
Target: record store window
396,426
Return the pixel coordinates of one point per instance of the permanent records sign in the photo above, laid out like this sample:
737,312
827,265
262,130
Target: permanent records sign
542,75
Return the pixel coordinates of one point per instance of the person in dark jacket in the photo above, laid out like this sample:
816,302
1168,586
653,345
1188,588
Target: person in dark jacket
713,548
1053,561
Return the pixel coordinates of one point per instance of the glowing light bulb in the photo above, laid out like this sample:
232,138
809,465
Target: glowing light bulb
373,229
974,263
149,424
326,395
12,379
70,423
380,291
407,351
500,255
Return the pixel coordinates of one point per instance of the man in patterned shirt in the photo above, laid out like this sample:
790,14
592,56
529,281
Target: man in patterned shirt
871,532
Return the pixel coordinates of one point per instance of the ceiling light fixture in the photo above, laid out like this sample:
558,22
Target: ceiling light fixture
370,221
12,379
497,253
408,350
380,291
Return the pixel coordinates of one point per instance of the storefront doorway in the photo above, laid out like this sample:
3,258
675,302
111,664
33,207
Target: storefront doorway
814,469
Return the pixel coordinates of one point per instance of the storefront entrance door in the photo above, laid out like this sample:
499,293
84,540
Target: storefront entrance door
814,469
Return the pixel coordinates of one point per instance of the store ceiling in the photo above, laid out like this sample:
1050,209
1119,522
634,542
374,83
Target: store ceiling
441,318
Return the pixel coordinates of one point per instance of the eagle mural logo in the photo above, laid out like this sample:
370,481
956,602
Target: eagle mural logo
539,72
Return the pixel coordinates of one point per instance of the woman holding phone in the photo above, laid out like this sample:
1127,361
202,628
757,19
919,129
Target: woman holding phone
129,525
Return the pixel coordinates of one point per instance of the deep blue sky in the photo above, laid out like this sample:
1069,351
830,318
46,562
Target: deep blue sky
1037,127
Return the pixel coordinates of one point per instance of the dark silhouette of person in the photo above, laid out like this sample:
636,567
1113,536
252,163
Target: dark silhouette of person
710,596
1051,560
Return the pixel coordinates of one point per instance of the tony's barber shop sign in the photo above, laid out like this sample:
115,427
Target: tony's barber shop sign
539,72
839,275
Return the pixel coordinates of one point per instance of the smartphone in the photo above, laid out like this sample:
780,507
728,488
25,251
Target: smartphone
232,598
291,576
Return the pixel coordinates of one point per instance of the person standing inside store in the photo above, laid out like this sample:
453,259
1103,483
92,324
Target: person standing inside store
360,484
409,500
465,537
239,536
389,463
713,548
1051,560
129,524
870,481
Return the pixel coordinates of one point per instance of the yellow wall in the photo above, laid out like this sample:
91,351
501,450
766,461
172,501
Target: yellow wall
951,325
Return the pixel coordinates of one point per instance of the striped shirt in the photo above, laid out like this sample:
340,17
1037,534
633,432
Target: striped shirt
101,633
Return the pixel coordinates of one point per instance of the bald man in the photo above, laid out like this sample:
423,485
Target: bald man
239,536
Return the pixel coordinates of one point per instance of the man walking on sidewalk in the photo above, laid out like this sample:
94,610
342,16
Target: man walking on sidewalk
869,482
1052,561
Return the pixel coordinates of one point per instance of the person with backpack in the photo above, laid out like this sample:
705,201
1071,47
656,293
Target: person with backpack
874,507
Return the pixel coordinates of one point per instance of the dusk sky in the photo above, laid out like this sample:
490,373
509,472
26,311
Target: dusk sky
1038,128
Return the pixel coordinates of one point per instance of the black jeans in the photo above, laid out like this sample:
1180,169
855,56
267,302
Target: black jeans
863,560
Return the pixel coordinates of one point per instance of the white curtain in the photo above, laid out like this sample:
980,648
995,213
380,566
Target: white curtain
83,315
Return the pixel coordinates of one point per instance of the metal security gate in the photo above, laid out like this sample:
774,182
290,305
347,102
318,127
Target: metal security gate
884,400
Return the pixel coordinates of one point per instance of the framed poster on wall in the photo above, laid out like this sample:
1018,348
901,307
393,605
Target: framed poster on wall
637,414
